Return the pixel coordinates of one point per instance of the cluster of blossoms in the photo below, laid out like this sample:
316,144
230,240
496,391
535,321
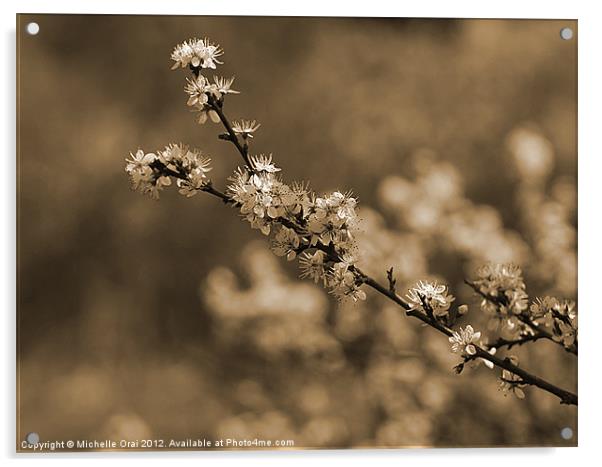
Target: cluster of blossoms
505,299
331,222
504,295
263,197
433,295
199,53
557,316
151,172
301,221
505,284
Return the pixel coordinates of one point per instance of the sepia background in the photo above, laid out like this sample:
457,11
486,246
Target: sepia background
140,319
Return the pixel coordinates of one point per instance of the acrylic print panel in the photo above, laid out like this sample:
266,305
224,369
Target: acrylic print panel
366,239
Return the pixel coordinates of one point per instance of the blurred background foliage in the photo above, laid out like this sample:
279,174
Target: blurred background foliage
167,319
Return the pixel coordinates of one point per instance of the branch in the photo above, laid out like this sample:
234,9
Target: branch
429,319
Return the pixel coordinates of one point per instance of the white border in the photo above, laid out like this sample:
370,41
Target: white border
590,154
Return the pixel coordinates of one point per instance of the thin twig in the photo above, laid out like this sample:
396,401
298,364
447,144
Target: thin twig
243,149
501,342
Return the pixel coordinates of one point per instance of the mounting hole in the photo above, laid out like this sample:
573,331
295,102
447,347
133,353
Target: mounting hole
32,438
566,34
566,433
32,28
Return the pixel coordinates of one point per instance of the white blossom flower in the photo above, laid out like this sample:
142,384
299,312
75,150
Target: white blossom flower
190,164
285,243
157,186
495,279
284,202
298,200
464,340
264,199
559,316
246,128
541,308
511,383
259,200
182,55
323,231
205,112
144,176
312,266
435,295
197,89
150,173
263,163
333,220
138,168
254,193
343,205
518,301
207,54
184,159
222,86
199,53
343,282
504,287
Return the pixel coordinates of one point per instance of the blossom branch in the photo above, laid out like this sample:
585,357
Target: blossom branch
535,331
565,397
321,231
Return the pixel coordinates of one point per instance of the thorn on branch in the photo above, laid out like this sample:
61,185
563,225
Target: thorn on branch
225,137
427,307
392,280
